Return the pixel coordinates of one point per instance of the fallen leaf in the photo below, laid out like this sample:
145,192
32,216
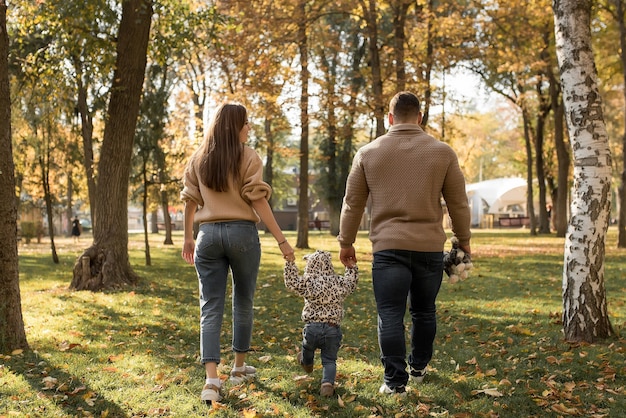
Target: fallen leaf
249,413
488,392
562,409
491,372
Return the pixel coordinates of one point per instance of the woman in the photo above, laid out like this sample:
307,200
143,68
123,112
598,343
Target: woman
225,193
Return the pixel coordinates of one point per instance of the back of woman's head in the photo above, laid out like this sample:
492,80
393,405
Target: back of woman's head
222,150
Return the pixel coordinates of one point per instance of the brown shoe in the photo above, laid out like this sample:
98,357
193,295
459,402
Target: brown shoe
327,389
307,367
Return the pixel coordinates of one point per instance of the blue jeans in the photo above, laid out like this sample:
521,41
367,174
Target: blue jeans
328,339
221,247
401,276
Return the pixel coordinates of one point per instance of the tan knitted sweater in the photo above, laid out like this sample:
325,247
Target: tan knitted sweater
405,173
233,204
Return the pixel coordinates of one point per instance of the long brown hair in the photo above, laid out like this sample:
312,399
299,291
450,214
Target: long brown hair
222,149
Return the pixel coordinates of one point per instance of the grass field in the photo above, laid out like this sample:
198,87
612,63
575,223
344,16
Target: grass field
134,353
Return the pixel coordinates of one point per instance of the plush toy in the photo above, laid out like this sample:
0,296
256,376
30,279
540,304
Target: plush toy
456,263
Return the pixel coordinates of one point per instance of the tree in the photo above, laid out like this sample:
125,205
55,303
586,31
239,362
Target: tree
585,316
370,15
617,10
105,264
12,334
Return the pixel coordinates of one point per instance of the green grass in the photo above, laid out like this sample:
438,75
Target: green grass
499,348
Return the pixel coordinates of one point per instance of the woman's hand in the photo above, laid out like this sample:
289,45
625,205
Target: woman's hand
188,249
288,253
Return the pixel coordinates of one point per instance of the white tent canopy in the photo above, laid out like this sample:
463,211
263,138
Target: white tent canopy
503,196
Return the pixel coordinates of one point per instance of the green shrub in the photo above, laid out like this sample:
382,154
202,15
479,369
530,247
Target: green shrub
29,231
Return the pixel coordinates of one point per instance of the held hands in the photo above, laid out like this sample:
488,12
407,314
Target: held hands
288,253
348,256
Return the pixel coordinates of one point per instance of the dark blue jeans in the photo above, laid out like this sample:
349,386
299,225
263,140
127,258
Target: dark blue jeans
398,277
328,339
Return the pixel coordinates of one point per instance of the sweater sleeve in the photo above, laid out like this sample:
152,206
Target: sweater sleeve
293,281
253,187
350,280
191,185
456,201
354,203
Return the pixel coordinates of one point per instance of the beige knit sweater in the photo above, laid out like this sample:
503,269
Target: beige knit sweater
233,204
405,173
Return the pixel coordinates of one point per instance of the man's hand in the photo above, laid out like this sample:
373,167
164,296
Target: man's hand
347,256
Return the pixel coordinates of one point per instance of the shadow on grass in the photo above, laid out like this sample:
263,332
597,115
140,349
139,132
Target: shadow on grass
54,385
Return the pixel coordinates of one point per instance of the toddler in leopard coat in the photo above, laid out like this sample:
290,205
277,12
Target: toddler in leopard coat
323,292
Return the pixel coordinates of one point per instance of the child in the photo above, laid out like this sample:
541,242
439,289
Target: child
323,292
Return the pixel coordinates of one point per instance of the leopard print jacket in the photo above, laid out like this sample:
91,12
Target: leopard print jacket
323,290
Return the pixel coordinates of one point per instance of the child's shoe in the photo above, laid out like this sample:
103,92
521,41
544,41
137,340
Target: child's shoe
307,367
245,373
327,389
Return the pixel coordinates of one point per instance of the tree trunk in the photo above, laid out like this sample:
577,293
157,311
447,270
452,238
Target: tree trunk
87,136
542,114
585,313
621,223
69,211
428,65
12,335
400,10
303,200
370,13
530,206
268,170
109,266
44,162
559,204
144,213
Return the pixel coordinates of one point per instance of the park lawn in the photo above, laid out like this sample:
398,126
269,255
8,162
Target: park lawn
499,350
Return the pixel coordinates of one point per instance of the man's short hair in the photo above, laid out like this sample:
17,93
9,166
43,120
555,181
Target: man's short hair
404,106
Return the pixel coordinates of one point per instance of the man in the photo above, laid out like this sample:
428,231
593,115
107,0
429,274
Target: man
405,173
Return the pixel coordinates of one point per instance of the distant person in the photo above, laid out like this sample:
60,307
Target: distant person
318,223
76,229
225,193
323,292
405,173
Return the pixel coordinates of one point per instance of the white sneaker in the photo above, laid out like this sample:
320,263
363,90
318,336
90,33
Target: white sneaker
237,377
398,390
210,393
417,375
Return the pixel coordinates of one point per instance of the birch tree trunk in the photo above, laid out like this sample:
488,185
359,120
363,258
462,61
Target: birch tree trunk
585,316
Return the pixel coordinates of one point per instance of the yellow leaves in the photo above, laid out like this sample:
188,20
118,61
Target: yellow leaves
66,346
519,330
115,357
49,382
489,392
342,402
562,409
250,413
90,398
